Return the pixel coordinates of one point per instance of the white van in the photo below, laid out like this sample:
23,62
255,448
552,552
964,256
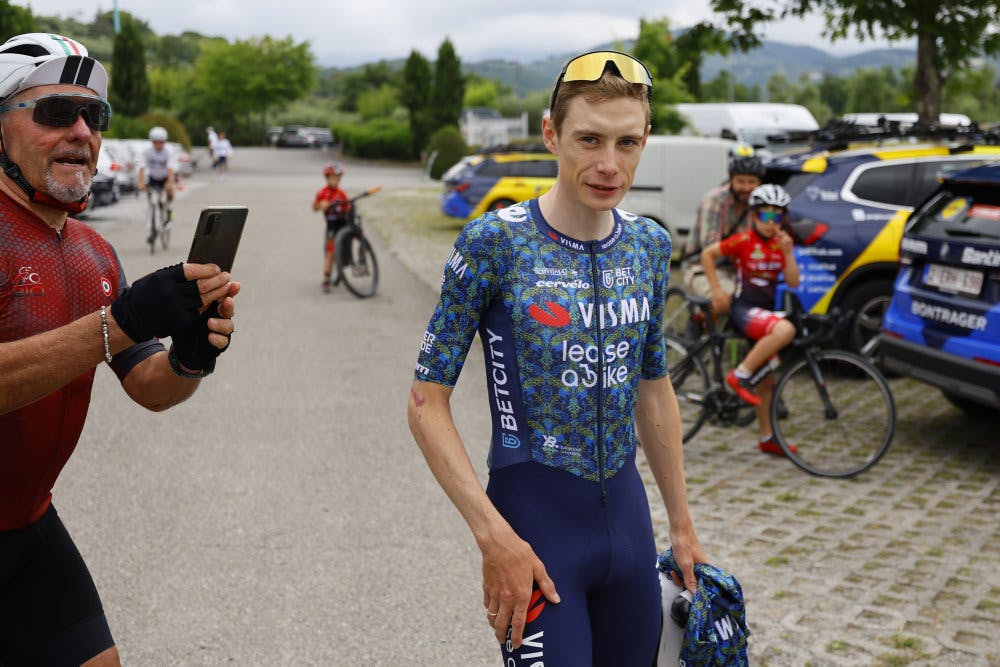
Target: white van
673,176
748,122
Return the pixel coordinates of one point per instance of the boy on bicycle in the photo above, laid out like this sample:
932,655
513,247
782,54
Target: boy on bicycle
334,204
760,254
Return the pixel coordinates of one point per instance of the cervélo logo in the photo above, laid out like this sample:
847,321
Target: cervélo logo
553,315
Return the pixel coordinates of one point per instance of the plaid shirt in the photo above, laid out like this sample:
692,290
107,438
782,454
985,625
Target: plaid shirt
718,211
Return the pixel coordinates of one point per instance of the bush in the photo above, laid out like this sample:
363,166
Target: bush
383,138
126,127
450,148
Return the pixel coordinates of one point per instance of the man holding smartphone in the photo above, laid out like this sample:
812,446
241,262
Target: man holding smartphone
65,306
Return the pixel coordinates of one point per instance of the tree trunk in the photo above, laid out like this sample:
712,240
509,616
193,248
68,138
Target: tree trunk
927,78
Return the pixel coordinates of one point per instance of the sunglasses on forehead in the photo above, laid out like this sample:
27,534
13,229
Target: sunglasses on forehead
59,110
591,66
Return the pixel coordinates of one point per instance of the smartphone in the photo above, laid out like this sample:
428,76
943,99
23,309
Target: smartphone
218,236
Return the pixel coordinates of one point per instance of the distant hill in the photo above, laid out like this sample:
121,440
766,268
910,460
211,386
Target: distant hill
751,68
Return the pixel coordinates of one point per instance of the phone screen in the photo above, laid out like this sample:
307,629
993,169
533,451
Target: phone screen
217,236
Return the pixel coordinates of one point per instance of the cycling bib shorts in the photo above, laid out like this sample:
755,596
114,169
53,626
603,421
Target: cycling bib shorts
601,558
50,613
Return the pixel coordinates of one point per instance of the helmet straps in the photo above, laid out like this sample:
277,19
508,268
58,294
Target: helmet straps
13,172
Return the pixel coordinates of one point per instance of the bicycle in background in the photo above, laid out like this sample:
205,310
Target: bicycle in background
159,217
834,406
354,259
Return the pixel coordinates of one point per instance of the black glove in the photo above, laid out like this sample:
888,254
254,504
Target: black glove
157,305
192,348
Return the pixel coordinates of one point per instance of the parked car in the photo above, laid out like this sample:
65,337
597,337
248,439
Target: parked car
848,207
673,176
104,187
294,136
493,181
320,137
124,162
943,324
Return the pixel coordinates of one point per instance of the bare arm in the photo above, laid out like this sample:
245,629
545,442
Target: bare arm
709,257
658,423
791,269
510,566
34,367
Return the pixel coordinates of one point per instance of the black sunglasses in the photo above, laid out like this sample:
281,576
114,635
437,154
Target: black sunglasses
58,110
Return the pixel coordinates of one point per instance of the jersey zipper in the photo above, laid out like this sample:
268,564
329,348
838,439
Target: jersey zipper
600,373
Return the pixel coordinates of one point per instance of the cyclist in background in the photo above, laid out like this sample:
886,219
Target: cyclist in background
567,294
158,169
722,212
760,254
333,203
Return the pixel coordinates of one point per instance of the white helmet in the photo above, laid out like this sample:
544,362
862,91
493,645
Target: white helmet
158,134
38,59
770,194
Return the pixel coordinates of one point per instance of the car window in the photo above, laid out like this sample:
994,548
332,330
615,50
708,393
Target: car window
534,168
960,215
492,168
929,174
793,182
889,184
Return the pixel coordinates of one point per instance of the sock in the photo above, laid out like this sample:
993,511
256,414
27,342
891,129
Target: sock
741,372
766,438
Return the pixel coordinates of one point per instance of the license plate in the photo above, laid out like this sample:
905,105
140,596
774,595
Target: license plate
954,280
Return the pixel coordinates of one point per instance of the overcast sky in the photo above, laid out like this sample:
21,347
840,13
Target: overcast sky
350,32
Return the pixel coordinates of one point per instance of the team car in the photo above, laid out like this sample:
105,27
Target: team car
848,207
943,323
492,181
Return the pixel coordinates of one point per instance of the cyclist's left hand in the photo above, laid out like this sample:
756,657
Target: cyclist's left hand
784,241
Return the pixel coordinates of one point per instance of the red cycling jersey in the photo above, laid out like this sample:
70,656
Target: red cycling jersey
758,262
338,199
47,280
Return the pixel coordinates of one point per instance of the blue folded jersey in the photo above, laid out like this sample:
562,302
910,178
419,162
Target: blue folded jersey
716,632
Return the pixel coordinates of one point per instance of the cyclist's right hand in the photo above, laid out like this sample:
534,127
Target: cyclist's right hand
168,300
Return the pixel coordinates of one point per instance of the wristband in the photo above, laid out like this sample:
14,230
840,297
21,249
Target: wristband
176,367
104,333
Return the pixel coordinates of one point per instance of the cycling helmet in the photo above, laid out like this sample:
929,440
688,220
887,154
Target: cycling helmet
770,194
38,59
746,164
158,134
332,168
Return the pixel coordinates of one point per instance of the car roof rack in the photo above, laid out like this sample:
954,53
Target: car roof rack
838,134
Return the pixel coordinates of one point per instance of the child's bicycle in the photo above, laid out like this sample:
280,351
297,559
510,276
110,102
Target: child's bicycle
833,405
354,259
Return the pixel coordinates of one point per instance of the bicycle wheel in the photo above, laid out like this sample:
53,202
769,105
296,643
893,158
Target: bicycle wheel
164,229
841,415
675,314
151,236
356,262
689,378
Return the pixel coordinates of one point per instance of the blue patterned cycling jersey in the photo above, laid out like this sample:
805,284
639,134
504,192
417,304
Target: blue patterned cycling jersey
554,315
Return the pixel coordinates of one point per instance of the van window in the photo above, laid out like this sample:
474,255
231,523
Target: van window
888,185
929,175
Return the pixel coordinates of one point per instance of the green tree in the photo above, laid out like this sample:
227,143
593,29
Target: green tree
15,20
655,48
233,82
448,89
129,81
377,103
415,95
693,45
371,77
949,33
833,92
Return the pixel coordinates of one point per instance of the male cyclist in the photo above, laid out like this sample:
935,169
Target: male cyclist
333,203
723,212
566,293
158,171
65,307
761,254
